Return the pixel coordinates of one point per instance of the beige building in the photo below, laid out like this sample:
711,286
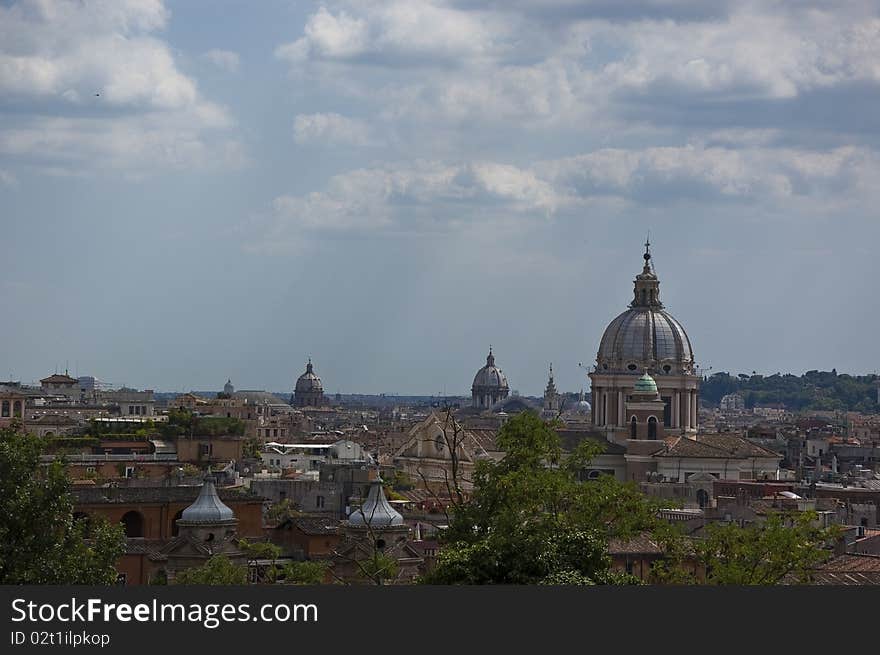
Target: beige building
426,456
12,405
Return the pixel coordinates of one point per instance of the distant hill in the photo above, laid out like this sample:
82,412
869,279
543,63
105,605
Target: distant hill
818,390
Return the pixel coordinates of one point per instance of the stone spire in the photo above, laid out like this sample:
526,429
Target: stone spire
551,397
490,359
646,291
551,385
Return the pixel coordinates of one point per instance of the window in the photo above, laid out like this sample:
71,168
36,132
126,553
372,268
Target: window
319,502
632,428
16,409
652,428
133,522
5,411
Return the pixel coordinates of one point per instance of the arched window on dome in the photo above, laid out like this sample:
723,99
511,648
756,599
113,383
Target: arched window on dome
652,428
632,427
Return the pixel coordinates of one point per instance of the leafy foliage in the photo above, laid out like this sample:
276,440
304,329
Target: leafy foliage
785,546
814,390
219,570
281,511
303,572
182,422
40,540
530,520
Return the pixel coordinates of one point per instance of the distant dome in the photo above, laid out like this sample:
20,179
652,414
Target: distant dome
207,508
228,389
376,511
490,376
308,381
645,385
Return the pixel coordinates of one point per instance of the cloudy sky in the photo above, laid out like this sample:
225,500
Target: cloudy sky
202,189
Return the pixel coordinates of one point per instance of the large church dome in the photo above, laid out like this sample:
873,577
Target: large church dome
490,384
490,376
309,381
646,336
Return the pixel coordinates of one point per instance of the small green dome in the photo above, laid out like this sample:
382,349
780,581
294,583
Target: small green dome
646,384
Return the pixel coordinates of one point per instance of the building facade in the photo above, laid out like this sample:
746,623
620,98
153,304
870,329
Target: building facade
645,339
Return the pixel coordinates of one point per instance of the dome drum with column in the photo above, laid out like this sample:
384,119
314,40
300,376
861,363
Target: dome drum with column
309,391
490,385
645,339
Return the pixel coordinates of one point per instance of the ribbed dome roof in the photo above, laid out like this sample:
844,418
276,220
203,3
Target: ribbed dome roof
490,376
376,511
308,381
207,508
645,336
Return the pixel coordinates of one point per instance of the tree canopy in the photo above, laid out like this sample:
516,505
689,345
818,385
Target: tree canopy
814,390
783,547
41,542
219,570
530,520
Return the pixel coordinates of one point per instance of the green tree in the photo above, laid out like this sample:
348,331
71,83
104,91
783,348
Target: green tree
40,541
281,511
303,573
219,570
261,550
532,520
785,546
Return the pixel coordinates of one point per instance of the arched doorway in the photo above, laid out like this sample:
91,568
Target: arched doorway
133,523
702,498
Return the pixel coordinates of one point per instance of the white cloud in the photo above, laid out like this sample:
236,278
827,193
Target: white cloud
664,175
100,88
330,128
8,179
396,33
420,197
226,60
427,197
579,65
136,145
